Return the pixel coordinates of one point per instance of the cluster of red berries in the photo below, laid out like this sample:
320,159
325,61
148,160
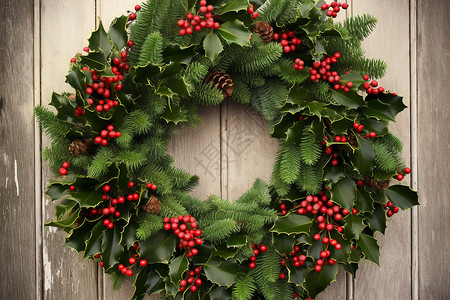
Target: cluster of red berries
333,8
325,259
400,176
359,128
79,111
321,70
197,22
298,258
251,11
299,64
329,151
372,87
256,251
287,40
106,135
392,209
132,261
151,186
185,228
63,169
193,281
132,15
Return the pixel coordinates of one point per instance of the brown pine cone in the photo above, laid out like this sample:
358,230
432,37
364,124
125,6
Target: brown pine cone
264,30
376,185
352,140
80,147
221,81
153,205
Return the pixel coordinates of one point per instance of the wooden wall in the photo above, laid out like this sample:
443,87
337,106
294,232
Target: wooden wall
229,150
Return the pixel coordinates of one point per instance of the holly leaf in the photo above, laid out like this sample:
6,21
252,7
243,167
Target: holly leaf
158,248
177,267
76,79
394,102
237,241
147,282
95,60
212,45
233,5
349,99
334,173
99,40
377,220
57,191
66,222
363,158
375,125
221,272
111,248
225,252
235,32
296,275
77,239
283,243
353,226
176,54
364,201
402,196
174,114
94,243
118,33
343,193
294,134
356,78
280,128
378,110
86,198
369,248
316,282
292,224
63,105
341,126
129,234
220,293
342,254
351,268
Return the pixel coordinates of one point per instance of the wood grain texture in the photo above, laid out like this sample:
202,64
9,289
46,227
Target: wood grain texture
433,136
394,273
65,27
17,209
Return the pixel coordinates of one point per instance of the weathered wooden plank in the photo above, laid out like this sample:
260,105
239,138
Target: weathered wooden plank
17,149
65,27
394,273
433,72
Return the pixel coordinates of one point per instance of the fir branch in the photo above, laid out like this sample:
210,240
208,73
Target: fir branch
244,287
206,94
219,230
148,226
152,48
101,162
310,150
290,162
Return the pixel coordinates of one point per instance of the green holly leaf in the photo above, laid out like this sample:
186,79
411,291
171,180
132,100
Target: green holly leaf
341,126
356,78
280,128
111,248
64,208
233,5
63,105
294,134
342,254
402,196
237,241
212,45
174,114
94,243
77,239
375,125
355,255
57,191
351,268
394,102
369,248
377,220
379,110
95,60
353,226
221,272
177,267
316,282
99,40
129,234
118,32
149,282
176,54
343,193
296,275
235,32
364,201
76,79
363,158
349,99
86,198
159,248
283,243
220,293
66,222
292,224
225,252
334,173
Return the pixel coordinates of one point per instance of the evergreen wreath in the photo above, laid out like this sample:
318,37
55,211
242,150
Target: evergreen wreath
123,203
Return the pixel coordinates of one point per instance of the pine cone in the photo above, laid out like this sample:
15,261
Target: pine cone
264,30
80,147
153,205
221,81
376,185
352,140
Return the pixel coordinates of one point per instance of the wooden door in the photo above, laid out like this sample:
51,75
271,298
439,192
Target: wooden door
229,150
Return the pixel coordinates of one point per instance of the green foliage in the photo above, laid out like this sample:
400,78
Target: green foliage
152,48
206,94
149,224
244,287
290,162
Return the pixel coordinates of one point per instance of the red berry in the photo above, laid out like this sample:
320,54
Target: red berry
317,268
399,177
338,247
129,272
407,170
317,237
252,265
72,60
110,225
282,276
374,83
344,5
106,188
354,211
130,43
255,15
263,248
325,240
372,134
132,17
63,171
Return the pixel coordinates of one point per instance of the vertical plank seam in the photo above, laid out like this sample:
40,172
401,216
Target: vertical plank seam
350,281
39,282
414,153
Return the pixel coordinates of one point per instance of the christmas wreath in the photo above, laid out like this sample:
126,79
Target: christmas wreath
123,203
